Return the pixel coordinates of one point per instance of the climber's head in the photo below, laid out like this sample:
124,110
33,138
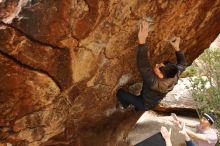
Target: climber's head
207,120
165,70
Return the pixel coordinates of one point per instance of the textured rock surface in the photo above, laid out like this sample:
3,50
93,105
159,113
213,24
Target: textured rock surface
179,98
61,63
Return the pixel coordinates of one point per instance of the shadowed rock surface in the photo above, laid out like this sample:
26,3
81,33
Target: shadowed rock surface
62,62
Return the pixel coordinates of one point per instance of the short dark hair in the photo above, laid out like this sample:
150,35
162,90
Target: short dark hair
169,70
210,117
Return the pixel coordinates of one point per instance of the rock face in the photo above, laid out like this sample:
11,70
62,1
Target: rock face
62,62
179,99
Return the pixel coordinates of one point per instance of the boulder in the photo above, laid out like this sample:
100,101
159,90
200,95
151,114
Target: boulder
62,62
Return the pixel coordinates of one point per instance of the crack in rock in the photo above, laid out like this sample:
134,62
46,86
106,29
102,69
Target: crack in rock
30,37
30,68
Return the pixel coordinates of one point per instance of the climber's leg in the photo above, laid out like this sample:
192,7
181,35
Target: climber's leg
127,98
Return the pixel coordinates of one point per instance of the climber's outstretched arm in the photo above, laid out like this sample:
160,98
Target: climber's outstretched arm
142,60
181,61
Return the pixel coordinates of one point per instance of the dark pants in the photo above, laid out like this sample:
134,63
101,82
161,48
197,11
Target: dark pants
190,143
127,98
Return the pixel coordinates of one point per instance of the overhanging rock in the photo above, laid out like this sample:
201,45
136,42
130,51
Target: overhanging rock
62,61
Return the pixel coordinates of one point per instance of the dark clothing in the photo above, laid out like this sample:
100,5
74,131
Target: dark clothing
149,78
151,95
155,140
127,98
189,143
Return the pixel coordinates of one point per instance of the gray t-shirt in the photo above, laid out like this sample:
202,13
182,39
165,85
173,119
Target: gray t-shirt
210,135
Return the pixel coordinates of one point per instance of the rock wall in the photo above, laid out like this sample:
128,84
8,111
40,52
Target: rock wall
61,63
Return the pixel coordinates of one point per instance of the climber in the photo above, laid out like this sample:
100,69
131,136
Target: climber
204,135
157,82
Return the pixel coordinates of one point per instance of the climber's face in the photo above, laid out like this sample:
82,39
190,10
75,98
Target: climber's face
157,70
